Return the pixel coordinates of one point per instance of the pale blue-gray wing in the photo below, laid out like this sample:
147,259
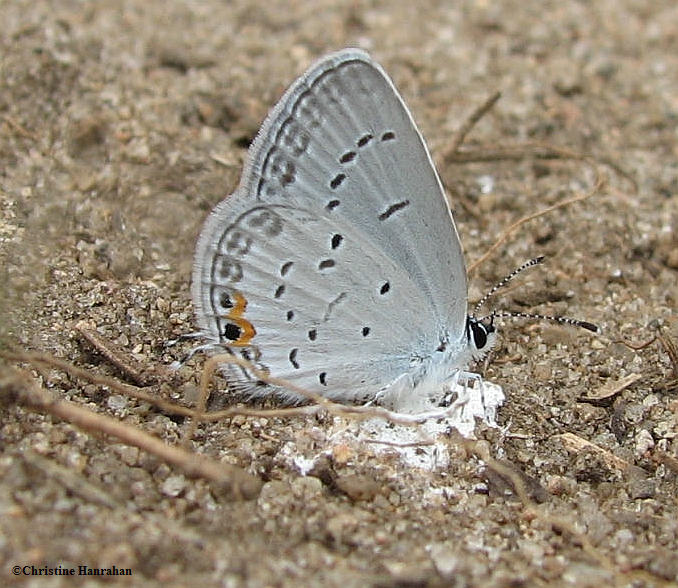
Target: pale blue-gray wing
306,298
336,263
342,141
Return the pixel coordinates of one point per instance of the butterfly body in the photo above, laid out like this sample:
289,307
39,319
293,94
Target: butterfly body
336,264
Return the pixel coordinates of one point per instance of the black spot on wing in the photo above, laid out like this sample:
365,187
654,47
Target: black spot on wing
336,240
285,267
232,331
364,140
391,210
337,180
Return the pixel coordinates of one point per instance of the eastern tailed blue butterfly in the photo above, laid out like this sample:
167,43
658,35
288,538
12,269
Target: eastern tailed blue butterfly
336,264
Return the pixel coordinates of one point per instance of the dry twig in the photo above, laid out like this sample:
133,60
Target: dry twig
19,388
507,233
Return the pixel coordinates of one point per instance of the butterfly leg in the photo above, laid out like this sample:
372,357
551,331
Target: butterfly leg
481,399
465,395
397,393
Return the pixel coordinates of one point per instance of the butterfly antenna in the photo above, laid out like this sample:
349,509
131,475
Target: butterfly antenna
563,320
506,280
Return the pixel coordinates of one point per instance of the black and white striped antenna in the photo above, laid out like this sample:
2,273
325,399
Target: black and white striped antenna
563,320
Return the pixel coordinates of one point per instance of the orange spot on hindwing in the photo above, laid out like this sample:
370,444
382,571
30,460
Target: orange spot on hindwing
237,331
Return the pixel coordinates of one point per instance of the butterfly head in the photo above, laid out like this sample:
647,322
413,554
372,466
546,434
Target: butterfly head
481,335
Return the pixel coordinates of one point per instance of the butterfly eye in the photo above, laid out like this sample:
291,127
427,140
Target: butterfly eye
478,332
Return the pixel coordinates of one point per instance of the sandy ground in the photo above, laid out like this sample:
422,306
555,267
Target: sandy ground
123,123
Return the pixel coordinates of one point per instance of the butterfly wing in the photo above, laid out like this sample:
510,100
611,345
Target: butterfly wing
336,264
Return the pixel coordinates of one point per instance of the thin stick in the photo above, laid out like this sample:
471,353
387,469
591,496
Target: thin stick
469,123
345,410
666,342
567,202
670,348
70,479
400,445
44,359
18,128
534,149
577,444
611,389
19,387
521,491
636,346
131,368
322,404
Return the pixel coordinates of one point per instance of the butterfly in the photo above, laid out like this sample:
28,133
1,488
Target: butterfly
336,263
